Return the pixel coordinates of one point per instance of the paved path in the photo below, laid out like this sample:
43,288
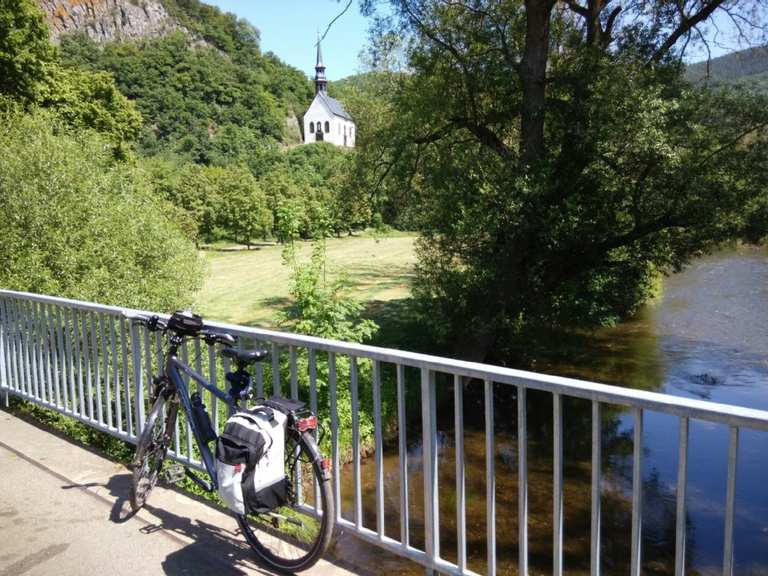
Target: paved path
63,511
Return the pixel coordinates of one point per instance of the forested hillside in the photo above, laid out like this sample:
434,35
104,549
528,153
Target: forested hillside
204,86
746,67
220,122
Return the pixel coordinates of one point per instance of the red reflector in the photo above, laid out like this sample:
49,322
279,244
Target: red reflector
305,424
326,464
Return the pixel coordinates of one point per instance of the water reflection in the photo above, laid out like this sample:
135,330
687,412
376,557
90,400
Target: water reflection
706,337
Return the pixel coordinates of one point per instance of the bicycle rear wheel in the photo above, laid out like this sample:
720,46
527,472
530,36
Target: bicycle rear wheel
152,448
294,536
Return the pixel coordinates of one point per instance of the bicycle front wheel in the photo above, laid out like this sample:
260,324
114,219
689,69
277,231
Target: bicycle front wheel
294,536
152,448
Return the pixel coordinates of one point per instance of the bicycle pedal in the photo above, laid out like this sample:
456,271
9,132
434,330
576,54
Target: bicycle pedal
174,474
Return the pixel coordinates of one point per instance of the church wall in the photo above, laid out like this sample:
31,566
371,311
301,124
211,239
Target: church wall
317,113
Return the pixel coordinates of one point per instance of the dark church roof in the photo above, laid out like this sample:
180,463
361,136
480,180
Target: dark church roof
336,107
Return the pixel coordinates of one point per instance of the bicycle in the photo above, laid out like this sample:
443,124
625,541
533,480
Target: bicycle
291,537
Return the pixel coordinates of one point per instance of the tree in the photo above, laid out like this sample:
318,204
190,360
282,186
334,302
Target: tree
368,97
31,74
25,51
323,307
560,160
244,213
76,223
92,100
211,105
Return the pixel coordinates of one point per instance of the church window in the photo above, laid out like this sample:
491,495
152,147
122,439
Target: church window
312,127
327,127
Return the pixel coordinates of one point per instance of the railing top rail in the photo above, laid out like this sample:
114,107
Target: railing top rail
692,408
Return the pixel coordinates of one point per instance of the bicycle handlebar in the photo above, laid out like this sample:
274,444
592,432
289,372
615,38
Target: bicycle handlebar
156,324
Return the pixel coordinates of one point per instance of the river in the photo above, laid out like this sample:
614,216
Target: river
705,337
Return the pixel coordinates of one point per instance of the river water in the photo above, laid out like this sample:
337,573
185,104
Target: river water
705,337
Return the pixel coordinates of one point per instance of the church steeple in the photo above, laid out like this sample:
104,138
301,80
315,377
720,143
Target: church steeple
321,84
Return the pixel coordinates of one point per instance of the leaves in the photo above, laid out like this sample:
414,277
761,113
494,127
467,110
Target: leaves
76,223
635,173
323,307
25,52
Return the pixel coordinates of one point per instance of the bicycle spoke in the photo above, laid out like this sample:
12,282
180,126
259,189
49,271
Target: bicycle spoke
293,536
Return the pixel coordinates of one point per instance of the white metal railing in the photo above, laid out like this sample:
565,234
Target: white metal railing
87,361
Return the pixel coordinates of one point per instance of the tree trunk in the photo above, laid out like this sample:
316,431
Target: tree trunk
533,74
594,32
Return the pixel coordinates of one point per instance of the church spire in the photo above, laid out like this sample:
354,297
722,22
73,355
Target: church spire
321,84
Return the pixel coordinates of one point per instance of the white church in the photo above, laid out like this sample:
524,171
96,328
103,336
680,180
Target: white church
325,119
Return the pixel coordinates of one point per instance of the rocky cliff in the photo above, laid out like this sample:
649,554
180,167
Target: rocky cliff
108,20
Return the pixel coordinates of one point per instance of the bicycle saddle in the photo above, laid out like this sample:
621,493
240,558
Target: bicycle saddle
244,357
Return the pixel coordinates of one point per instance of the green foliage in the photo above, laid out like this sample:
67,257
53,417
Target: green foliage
369,99
223,30
306,192
76,223
26,55
327,309
636,171
188,96
313,192
243,210
31,74
218,202
322,308
224,104
735,67
91,100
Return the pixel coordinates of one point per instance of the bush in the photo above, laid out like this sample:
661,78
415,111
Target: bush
76,223
326,309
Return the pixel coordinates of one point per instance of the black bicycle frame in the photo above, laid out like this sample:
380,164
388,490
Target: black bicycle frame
173,370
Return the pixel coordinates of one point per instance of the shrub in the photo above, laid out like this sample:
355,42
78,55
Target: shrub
75,222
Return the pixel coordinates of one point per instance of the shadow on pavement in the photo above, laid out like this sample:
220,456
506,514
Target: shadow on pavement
214,550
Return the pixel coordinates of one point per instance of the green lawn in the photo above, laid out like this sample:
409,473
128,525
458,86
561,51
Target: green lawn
251,286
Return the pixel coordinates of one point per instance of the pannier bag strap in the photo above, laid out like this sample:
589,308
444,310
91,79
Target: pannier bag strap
268,412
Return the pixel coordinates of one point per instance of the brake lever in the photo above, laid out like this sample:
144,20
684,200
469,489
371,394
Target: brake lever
227,339
211,338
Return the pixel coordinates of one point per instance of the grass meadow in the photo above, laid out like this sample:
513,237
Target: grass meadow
252,286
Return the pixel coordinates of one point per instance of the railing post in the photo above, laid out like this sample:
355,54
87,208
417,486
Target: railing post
353,385
597,462
637,496
334,434
294,373
429,462
730,501
490,478
138,383
379,447
277,391
682,485
403,452
522,481
557,483
312,360
3,363
461,511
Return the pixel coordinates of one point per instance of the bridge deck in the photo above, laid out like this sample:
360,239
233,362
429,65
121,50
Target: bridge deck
63,510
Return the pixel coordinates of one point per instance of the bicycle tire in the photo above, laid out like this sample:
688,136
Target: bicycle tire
153,443
262,538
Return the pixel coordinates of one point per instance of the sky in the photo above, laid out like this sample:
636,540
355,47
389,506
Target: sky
289,29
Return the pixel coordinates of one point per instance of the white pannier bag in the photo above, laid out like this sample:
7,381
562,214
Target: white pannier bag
250,461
